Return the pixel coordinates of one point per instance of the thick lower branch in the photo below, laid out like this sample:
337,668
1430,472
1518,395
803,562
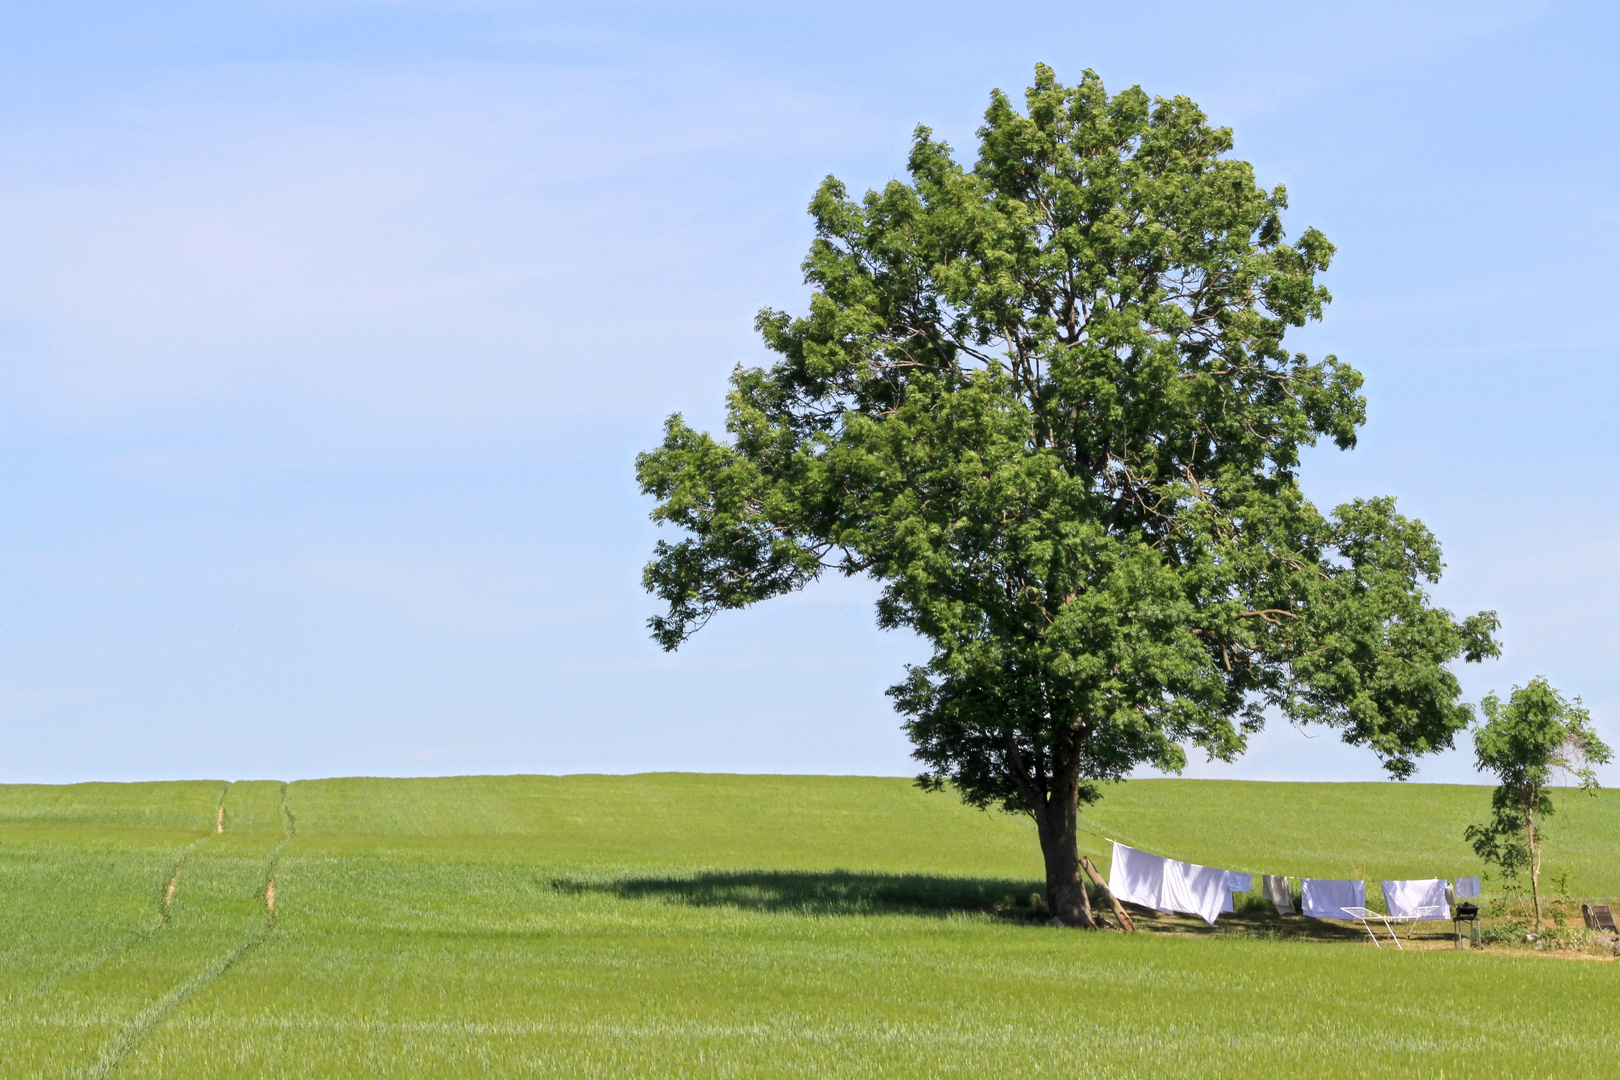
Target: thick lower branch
1108,894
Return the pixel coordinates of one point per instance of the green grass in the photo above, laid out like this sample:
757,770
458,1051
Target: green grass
186,804
682,925
1372,831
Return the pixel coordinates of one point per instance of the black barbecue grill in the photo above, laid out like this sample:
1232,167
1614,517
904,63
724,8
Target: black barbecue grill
1466,913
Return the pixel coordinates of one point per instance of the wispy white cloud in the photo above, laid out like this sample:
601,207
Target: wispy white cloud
459,241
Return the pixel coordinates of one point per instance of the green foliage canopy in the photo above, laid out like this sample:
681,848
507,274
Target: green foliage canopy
1045,402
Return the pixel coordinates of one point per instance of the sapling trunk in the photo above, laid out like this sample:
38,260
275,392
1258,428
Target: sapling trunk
1535,865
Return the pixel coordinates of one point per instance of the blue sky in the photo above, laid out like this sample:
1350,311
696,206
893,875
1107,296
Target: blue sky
328,333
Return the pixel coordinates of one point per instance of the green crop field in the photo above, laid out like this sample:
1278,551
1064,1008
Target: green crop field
693,925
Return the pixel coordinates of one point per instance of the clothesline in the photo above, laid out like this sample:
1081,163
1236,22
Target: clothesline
1122,843
1170,885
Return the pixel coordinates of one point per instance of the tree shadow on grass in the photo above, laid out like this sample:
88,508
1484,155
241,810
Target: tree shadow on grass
834,892
842,892
1256,918
1242,923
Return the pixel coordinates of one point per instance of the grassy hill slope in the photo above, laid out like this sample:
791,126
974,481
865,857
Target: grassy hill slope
690,925
851,822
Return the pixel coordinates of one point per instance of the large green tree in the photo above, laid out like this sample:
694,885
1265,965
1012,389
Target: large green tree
1045,403
1526,742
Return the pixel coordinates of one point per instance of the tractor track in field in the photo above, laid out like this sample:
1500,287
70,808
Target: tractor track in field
289,824
166,896
270,882
126,1040
130,1036
154,1014
80,965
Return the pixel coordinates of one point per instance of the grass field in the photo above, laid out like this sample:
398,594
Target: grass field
689,925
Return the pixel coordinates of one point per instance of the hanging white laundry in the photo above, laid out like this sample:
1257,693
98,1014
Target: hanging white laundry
1324,898
1136,877
1195,890
1236,881
1275,888
1167,885
1402,899
1467,887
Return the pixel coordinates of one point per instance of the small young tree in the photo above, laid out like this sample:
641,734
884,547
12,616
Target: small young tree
1525,742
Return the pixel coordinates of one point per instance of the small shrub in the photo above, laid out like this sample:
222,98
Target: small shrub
1564,938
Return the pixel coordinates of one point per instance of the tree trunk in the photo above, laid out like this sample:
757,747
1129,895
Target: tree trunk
1065,891
1535,865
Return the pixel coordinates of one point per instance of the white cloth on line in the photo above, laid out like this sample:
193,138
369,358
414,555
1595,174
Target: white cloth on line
1196,890
1236,881
1275,888
1403,898
1467,888
1324,898
1136,877
1166,884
